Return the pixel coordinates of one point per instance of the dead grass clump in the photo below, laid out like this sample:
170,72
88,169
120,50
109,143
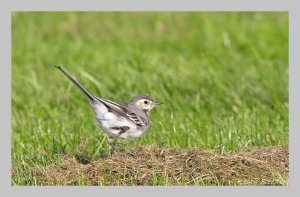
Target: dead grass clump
170,166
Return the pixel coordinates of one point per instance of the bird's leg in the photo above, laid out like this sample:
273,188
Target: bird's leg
111,144
112,139
129,151
123,130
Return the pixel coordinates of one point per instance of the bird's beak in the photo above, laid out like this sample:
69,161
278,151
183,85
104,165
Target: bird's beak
157,103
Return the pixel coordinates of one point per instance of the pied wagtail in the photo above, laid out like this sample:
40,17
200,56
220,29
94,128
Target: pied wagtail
119,119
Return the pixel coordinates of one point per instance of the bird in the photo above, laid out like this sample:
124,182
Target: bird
125,120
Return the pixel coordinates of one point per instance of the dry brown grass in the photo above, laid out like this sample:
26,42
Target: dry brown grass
170,166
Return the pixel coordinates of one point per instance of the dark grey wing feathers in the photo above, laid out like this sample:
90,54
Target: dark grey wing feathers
122,108
136,119
113,105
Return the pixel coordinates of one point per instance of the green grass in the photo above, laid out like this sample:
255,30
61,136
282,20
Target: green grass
223,77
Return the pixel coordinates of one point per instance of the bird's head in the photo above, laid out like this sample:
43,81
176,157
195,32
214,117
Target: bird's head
144,102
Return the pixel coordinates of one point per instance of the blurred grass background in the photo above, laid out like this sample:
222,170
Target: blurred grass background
222,76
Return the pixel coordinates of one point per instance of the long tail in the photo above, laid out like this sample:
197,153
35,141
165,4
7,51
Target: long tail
83,89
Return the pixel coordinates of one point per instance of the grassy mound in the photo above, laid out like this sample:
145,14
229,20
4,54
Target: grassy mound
170,166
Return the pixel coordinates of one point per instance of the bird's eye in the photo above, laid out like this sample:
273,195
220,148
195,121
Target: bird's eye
146,102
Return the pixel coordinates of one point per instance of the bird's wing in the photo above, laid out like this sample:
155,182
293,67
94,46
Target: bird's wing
136,119
121,108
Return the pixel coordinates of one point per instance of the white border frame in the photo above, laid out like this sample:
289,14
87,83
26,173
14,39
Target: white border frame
143,5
